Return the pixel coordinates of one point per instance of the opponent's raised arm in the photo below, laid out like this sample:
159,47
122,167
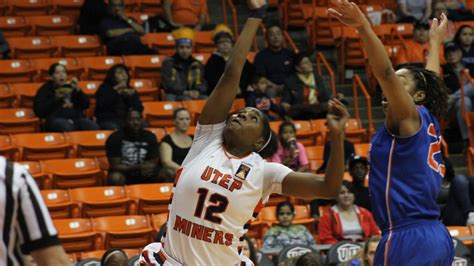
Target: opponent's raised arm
437,35
220,101
405,114
310,186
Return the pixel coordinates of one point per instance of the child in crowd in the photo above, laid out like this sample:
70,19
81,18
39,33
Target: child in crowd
258,97
290,152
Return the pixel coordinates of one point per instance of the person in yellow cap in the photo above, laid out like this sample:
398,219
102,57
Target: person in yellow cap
182,75
224,42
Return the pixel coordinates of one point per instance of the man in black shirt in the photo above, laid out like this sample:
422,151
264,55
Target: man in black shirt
120,33
358,169
132,153
275,61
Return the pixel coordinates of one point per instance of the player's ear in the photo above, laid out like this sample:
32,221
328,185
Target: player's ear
258,145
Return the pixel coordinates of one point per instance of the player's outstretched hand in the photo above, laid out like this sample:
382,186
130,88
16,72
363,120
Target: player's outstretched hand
337,117
348,13
438,29
256,4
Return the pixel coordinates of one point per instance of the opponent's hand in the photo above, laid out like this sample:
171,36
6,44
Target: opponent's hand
256,4
337,117
348,13
438,29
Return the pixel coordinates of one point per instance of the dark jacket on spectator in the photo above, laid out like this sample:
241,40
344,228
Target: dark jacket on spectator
275,66
451,78
46,105
215,67
293,92
110,105
179,75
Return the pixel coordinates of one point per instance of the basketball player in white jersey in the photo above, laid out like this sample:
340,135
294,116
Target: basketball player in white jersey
224,182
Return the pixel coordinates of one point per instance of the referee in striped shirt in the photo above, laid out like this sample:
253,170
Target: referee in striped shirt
25,225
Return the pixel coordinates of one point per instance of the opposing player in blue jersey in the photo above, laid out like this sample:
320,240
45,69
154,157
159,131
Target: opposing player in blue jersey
406,167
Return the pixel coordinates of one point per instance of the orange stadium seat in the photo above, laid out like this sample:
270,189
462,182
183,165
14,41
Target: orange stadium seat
275,126
349,48
14,26
457,231
157,220
302,216
73,173
32,47
59,204
319,125
131,5
315,156
97,254
51,25
203,42
145,66
162,43
160,114
25,92
362,149
69,8
29,7
237,105
42,66
159,132
3,7
88,144
195,108
77,235
140,18
18,120
13,71
103,201
132,231
41,146
191,130
78,45
145,88
97,67
152,198
355,131
320,28
41,178
151,6
305,133
90,87
6,147
7,98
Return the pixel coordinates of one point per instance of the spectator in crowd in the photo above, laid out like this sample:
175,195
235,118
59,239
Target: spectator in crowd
346,221
459,208
304,95
349,152
414,51
4,47
248,249
115,97
412,10
365,257
92,13
275,61
286,233
358,169
452,77
182,75
114,257
132,153
224,41
290,152
464,38
440,8
309,259
189,13
120,33
257,96
62,103
458,10
175,147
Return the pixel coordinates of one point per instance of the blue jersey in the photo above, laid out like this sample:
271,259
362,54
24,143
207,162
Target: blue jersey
406,174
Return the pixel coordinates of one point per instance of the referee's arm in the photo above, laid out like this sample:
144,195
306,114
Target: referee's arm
37,229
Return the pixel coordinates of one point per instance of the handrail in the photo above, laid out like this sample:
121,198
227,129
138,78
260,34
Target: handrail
464,75
321,59
356,81
224,12
234,16
290,41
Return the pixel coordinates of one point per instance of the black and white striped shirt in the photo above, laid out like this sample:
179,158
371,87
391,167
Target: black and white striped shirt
25,223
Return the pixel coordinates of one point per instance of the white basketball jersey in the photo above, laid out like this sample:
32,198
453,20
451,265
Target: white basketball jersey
215,199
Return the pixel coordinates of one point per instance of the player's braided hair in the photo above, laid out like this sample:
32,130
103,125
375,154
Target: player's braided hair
436,99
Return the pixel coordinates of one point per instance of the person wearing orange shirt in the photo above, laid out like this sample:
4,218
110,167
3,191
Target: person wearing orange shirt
191,13
415,51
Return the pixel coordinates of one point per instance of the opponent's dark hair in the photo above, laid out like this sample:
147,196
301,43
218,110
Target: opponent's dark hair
177,110
283,204
436,99
110,76
457,36
105,257
53,67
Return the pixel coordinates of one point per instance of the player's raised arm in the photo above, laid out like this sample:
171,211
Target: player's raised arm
437,35
220,101
310,186
402,117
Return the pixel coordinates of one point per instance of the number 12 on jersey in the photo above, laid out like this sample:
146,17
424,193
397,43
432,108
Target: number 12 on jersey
218,205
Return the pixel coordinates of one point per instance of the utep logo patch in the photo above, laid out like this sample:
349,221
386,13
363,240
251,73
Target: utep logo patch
243,171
